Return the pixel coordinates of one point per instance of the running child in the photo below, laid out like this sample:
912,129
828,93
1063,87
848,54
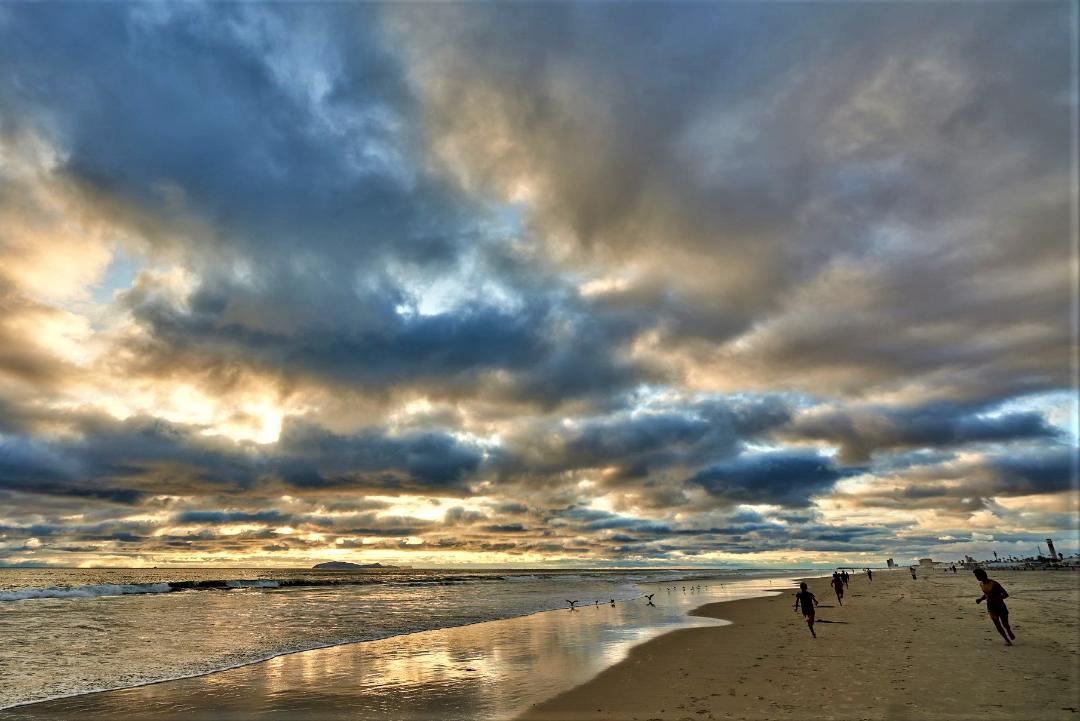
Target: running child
995,594
807,600
838,585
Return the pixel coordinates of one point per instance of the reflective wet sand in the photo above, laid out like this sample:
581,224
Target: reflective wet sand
490,670
66,631
897,650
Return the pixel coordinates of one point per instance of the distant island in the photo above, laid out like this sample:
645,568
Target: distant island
346,566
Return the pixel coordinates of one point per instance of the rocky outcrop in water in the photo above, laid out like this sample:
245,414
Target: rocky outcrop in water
346,566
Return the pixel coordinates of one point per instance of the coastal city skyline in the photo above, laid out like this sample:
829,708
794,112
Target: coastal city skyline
596,284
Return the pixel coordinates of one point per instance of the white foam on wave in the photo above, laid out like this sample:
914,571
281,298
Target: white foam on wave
107,589
252,584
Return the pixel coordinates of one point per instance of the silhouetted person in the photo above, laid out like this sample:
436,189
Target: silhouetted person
838,585
913,576
995,594
954,568
807,600
869,575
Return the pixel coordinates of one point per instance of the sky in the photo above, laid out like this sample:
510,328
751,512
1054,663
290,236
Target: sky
595,284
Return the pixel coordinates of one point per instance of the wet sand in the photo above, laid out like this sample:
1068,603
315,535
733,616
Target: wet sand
484,672
897,649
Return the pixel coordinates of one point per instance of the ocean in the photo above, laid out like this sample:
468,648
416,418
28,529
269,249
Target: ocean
65,632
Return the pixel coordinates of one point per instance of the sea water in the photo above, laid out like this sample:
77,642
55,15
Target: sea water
71,631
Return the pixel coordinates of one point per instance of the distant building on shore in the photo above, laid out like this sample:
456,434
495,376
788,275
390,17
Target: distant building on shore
1052,561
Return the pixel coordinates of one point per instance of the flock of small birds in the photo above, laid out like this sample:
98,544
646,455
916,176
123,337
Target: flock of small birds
649,597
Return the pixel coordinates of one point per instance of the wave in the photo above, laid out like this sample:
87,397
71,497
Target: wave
106,589
227,584
401,580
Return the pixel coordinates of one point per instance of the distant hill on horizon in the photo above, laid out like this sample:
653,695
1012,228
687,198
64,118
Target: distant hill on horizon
346,566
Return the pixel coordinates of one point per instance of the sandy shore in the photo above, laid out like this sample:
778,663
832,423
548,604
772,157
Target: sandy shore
488,671
897,649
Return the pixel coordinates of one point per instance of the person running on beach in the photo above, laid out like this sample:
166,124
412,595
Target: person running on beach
995,594
807,600
845,577
838,585
869,575
913,576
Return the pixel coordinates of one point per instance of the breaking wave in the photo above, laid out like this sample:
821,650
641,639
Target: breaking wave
108,589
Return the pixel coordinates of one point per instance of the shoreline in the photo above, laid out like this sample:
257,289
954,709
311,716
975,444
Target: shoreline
499,667
898,649
222,657
264,659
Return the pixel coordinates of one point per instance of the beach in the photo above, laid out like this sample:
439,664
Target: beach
485,671
898,649
467,360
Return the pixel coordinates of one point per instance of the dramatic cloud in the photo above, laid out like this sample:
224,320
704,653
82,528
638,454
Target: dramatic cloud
534,283
860,430
778,478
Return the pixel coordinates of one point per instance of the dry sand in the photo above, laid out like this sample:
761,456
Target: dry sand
897,649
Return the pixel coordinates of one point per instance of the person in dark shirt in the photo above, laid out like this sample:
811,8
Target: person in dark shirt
913,576
807,601
845,577
869,575
838,585
995,594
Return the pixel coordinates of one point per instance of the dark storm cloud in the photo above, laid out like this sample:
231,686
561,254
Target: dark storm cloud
504,528
741,538
643,443
782,478
553,350
862,431
119,530
125,461
636,445
311,458
968,485
270,516
1033,473
40,467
